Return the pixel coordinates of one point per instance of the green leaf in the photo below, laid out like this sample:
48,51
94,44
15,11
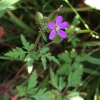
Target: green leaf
2,12
26,98
21,90
52,16
76,20
57,39
32,91
31,47
65,57
64,69
91,71
54,79
70,33
43,61
73,96
57,82
29,60
34,55
16,53
74,77
61,83
48,55
80,58
44,50
59,97
32,81
44,83
43,54
4,4
43,36
24,42
42,94
20,23
91,59
73,53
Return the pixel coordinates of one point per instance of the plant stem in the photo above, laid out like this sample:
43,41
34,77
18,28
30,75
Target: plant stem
37,40
77,14
64,91
49,43
46,45
16,75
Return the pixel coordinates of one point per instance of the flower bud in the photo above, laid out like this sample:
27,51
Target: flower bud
54,14
39,16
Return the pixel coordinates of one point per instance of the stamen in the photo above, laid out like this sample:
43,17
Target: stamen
57,28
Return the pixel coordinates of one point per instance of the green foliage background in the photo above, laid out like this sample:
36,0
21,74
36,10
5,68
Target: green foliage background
60,69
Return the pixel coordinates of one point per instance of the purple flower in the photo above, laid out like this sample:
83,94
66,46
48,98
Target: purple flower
57,28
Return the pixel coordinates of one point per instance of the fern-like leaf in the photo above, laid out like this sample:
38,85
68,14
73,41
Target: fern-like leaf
74,78
17,53
43,59
42,94
50,57
32,81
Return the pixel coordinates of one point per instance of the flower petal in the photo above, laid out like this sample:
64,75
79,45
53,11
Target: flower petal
62,34
59,20
63,25
51,25
52,34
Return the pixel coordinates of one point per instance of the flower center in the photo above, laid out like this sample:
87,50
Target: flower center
57,28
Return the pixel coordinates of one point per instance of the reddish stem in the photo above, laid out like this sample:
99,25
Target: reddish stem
16,75
8,45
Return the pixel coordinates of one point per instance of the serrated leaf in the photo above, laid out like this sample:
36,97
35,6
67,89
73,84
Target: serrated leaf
44,36
54,79
32,81
44,50
59,97
21,90
48,55
74,96
43,54
61,83
16,53
42,94
33,91
64,69
43,59
54,91
74,78
24,42
34,55
65,57
29,60
73,53
31,47
44,82
80,58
